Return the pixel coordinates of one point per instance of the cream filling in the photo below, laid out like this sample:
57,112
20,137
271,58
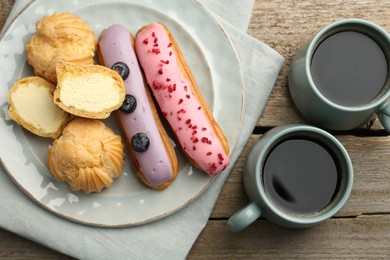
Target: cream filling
35,105
92,92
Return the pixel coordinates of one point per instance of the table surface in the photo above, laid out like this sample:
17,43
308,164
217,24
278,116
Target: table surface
360,230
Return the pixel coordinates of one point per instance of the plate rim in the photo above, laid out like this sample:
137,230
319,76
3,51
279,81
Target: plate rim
187,202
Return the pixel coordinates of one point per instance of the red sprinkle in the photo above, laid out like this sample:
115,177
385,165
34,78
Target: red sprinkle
181,111
195,140
170,53
160,71
156,85
194,132
169,45
156,50
188,96
153,34
168,79
213,166
185,88
190,126
206,140
155,40
220,157
165,113
155,45
204,128
199,108
180,128
179,118
209,153
180,101
188,121
146,41
174,87
194,127
194,147
220,163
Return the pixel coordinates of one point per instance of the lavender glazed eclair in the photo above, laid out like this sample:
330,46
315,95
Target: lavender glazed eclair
149,146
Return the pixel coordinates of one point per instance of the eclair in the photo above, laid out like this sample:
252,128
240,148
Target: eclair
149,146
180,99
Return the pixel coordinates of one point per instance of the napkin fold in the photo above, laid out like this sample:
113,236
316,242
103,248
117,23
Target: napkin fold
173,236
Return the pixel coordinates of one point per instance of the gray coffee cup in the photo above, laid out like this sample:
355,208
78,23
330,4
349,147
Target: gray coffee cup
321,109
263,203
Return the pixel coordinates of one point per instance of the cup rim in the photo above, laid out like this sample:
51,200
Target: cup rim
275,135
314,44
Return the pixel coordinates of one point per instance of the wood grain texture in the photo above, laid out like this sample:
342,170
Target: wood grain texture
360,230
5,8
365,237
15,247
287,25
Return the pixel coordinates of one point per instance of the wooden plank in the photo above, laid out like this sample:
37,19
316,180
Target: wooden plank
5,8
16,247
371,161
287,25
365,237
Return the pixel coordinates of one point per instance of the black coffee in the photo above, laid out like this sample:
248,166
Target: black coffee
349,68
300,176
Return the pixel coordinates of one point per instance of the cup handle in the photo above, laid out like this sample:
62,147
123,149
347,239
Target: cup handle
244,217
384,116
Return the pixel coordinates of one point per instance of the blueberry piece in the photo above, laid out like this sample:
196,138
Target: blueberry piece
122,69
140,142
129,104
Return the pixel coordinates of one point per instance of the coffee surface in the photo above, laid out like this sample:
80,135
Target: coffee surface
300,176
349,68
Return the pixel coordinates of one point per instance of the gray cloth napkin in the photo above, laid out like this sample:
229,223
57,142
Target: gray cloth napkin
173,236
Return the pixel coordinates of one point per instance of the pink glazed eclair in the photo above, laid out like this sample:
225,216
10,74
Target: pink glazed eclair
149,146
180,100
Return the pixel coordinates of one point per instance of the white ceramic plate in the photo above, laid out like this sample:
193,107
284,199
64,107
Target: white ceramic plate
127,202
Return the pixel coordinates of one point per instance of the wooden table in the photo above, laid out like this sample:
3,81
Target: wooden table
360,230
